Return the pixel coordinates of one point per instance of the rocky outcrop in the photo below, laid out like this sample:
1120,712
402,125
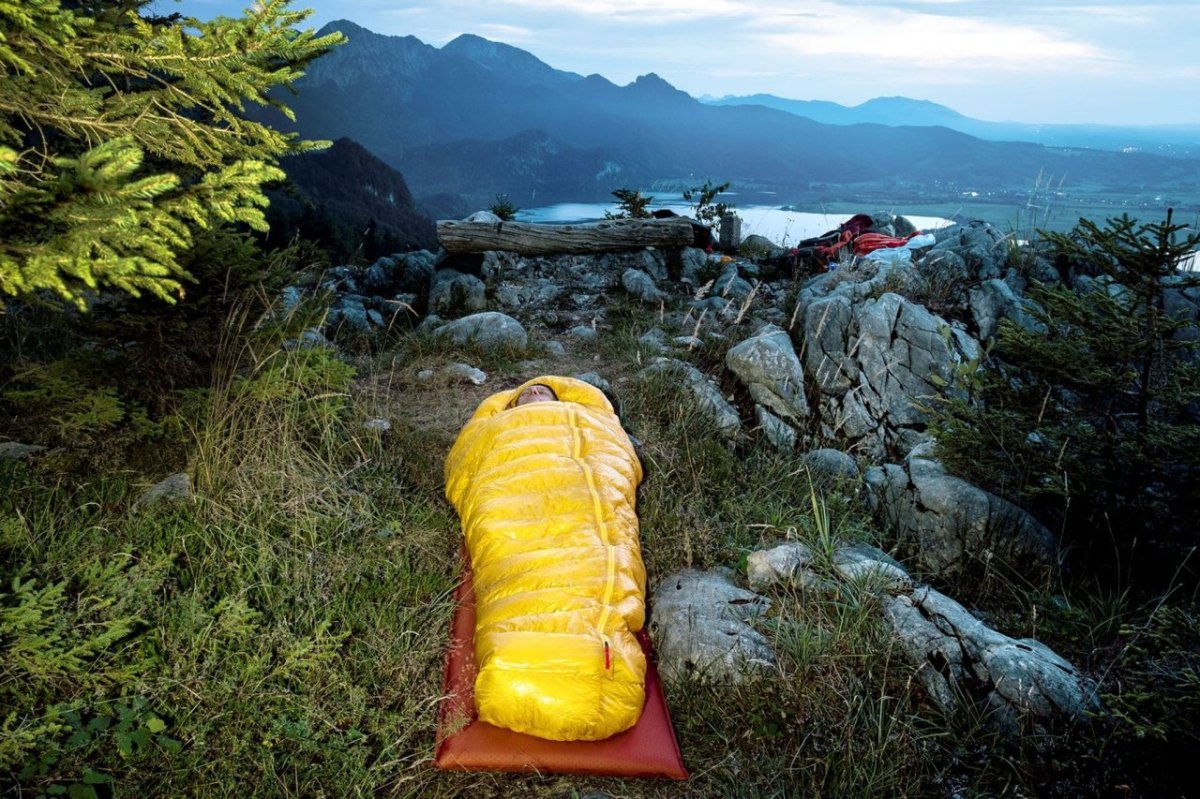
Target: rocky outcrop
959,658
873,363
994,300
962,664
945,521
767,364
830,467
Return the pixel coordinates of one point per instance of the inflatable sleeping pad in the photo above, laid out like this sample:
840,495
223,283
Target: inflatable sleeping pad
546,496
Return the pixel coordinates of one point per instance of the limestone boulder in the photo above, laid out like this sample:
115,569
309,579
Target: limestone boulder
454,293
945,520
957,657
700,630
489,329
768,365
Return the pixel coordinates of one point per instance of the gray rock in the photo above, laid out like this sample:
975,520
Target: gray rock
290,299
827,345
946,520
829,467
583,333
377,425
341,279
708,399
171,489
402,307
994,300
700,631
16,451
900,347
729,232
453,293
508,296
903,226
555,349
865,564
1043,271
731,285
687,342
1183,305
795,565
874,363
759,244
767,362
489,329
654,340
307,339
464,373
781,435
382,276
653,263
499,264
641,287
484,216
350,314
591,378
430,323
982,248
958,657
789,564
695,267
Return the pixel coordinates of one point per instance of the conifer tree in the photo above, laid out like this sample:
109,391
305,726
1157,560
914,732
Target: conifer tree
122,133
1092,415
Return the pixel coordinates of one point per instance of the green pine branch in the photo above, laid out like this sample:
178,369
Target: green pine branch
121,134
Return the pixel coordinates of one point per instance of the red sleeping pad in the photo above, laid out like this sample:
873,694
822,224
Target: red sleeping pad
648,749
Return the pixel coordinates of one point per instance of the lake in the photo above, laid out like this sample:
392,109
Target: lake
785,228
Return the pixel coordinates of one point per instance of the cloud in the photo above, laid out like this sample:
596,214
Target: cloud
509,34
647,12
919,40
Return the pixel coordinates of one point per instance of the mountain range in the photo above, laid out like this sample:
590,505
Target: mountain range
1181,141
476,118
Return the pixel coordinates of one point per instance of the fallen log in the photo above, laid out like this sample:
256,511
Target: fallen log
591,237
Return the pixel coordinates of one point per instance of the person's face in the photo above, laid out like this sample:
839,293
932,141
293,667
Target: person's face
535,394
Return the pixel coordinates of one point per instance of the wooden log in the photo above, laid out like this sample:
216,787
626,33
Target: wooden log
591,237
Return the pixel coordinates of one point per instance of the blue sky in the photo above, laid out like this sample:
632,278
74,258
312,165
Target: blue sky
1127,63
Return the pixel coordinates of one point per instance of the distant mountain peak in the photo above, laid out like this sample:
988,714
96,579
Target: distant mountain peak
513,61
651,85
344,26
651,79
368,56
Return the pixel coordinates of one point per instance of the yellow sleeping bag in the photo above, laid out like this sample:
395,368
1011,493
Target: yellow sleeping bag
546,495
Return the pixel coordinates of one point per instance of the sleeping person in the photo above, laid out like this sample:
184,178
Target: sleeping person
544,480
